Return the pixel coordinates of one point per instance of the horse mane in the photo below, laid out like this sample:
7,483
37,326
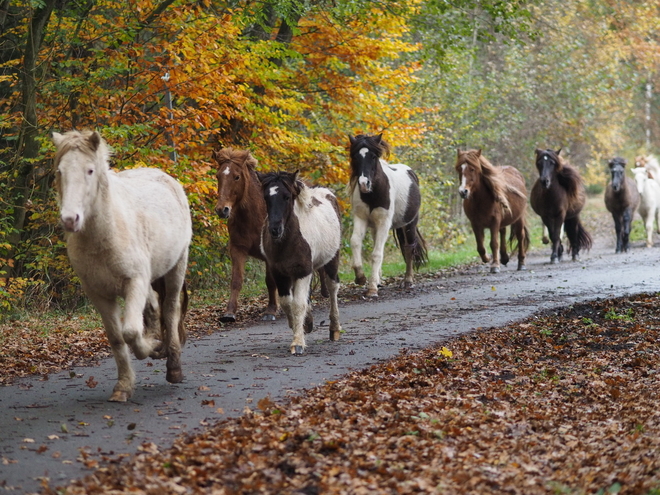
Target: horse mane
567,176
493,178
376,144
291,181
240,158
89,143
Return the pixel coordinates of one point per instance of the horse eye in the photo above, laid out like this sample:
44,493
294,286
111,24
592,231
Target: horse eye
237,177
90,171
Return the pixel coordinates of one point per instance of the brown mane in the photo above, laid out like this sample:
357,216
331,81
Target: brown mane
492,176
246,163
569,177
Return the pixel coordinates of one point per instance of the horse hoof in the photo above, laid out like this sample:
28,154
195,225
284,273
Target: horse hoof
361,280
297,350
554,261
159,352
268,317
174,376
494,269
334,335
119,396
408,285
521,267
372,293
228,318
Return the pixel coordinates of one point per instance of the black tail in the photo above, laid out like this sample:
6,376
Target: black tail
417,243
577,235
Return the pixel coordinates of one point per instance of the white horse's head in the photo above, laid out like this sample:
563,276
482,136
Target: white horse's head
82,164
641,176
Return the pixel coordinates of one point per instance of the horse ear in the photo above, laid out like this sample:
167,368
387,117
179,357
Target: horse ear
57,139
649,174
558,151
538,151
379,138
458,152
351,139
260,177
95,140
478,152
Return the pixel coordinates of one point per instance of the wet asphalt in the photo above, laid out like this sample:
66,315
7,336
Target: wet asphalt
59,428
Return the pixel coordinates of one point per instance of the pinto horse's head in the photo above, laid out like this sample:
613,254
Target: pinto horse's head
618,172
468,167
82,166
548,164
280,190
234,169
366,152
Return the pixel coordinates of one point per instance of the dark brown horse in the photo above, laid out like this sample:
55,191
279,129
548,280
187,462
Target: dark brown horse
240,201
621,200
493,198
558,196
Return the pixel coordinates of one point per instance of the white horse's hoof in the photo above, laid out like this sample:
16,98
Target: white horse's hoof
494,269
372,293
268,317
119,396
297,350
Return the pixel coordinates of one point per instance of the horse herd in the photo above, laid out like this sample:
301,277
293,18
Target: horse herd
128,233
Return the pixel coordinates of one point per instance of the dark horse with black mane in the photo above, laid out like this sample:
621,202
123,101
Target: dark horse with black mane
558,196
383,197
621,199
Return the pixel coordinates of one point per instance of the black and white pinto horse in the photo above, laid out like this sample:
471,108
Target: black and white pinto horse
383,197
301,234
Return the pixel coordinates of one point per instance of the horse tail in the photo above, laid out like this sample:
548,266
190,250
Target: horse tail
577,235
584,238
418,247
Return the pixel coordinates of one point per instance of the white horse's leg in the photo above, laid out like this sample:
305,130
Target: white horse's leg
359,231
296,306
111,315
171,316
335,326
136,296
380,238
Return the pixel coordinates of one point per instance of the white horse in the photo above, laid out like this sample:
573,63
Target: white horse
650,163
127,237
649,206
301,234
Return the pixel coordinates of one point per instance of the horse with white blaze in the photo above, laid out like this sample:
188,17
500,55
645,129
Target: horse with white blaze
127,236
301,234
383,197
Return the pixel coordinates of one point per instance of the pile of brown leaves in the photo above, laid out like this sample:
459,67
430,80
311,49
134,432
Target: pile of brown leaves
562,403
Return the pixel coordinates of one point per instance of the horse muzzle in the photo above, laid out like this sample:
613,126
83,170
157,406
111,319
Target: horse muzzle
276,232
223,212
365,185
546,183
71,223
464,193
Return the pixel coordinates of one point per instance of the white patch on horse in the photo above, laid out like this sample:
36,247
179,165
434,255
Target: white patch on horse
363,181
273,190
226,171
463,179
363,152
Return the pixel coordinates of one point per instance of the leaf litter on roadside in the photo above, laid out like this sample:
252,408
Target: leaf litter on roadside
560,403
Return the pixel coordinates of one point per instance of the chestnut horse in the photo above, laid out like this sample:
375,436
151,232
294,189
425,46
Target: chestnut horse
493,198
558,196
241,202
621,200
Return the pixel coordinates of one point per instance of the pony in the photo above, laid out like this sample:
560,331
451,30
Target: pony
127,236
493,198
621,200
649,205
558,196
241,202
301,234
383,197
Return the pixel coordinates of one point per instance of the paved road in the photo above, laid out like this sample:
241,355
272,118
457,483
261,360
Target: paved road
45,424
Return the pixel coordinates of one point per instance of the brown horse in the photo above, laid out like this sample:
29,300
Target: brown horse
240,201
621,200
558,196
493,198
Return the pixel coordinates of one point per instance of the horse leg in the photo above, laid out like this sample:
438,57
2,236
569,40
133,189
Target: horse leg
627,221
648,225
270,314
407,238
618,227
521,236
572,228
554,228
359,231
495,250
136,296
110,312
380,233
479,237
300,313
172,314
331,269
504,256
238,259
